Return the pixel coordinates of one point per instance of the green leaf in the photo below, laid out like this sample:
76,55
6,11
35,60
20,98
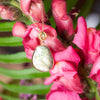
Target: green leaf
5,97
19,57
6,26
86,8
90,95
71,4
98,27
47,5
33,89
23,74
97,96
52,21
11,41
84,11
41,99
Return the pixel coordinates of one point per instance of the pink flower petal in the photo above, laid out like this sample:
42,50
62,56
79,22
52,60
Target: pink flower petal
95,72
29,52
1,8
19,29
61,93
50,79
80,38
62,67
97,42
54,44
34,8
25,5
72,84
65,73
68,54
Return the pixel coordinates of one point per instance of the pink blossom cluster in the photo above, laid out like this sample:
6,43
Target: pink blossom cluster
88,40
66,80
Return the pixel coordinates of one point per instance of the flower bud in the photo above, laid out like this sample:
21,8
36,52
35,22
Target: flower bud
63,21
34,8
9,12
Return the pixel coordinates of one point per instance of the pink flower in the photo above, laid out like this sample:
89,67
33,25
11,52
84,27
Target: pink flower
88,40
31,40
95,72
63,21
6,13
65,70
34,8
59,92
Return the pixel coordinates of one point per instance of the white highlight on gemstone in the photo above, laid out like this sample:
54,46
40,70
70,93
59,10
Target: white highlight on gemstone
42,59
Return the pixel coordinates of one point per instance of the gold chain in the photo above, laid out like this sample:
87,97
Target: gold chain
42,35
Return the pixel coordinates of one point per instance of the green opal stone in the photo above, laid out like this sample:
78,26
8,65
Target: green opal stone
42,59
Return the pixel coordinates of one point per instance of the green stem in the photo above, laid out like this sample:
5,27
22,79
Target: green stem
31,19
16,4
94,89
26,20
97,95
18,0
25,17
98,27
91,83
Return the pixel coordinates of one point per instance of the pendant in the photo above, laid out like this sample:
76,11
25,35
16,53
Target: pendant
42,58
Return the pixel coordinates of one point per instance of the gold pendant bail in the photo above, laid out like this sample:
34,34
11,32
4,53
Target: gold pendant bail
42,37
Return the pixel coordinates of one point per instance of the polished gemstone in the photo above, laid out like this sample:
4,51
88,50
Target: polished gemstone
42,59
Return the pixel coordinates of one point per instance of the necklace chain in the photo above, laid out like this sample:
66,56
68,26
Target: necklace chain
42,35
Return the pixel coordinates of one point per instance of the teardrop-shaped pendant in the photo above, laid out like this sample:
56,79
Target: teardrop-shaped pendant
42,58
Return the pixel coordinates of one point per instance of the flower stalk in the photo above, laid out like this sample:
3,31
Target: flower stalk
90,82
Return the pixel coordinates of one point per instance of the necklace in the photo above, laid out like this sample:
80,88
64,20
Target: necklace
42,58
